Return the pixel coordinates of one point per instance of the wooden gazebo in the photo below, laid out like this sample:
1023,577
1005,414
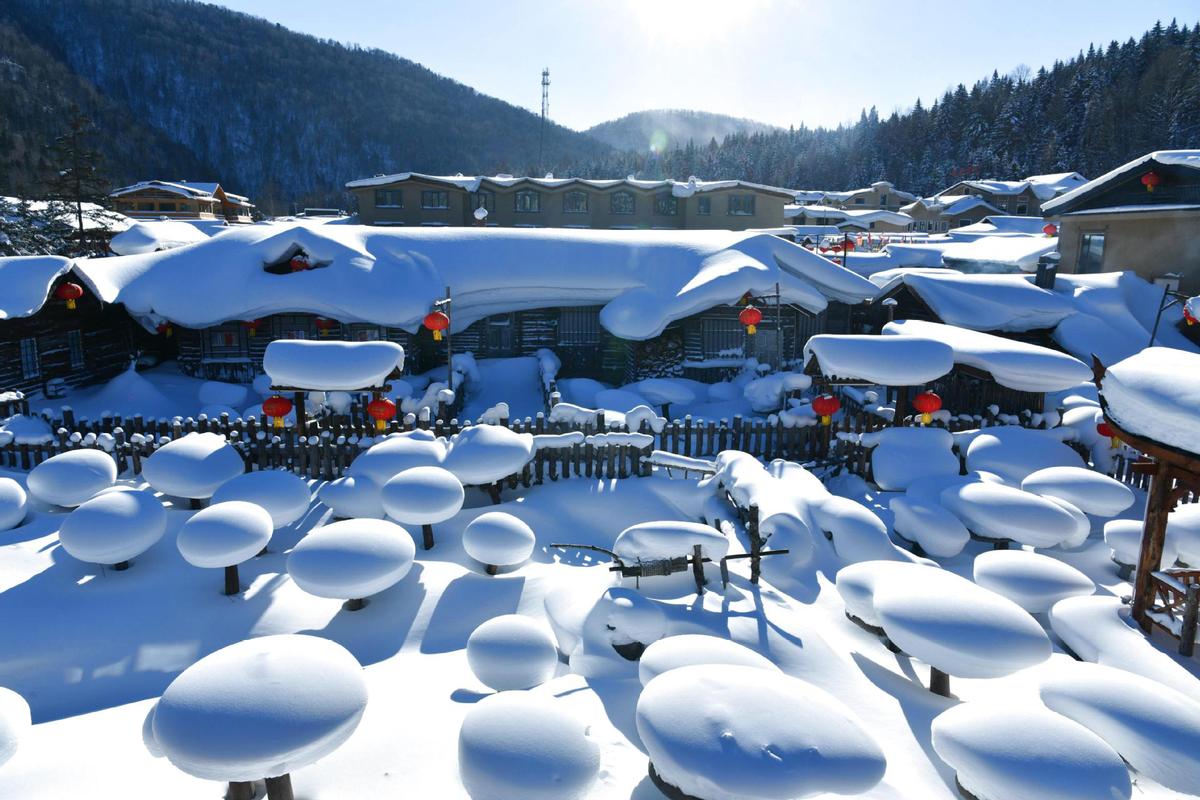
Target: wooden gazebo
1160,591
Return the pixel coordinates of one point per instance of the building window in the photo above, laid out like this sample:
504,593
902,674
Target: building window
578,327
666,204
485,200
860,201
1022,209
166,206
223,339
622,203
30,366
145,206
741,205
575,202
963,222
883,199
704,206
1003,207
1091,252
435,199
527,201
722,337
75,347
389,198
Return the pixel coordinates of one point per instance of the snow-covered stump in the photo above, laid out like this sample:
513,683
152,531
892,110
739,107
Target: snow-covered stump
352,560
223,536
423,496
498,540
70,479
512,652
114,527
484,455
193,467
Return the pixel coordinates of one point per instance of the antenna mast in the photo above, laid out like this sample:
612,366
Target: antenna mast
545,113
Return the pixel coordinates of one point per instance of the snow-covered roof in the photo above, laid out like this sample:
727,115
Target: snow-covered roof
390,276
1178,158
473,183
1000,225
27,281
1156,394
888,361
1017,365
885,187
860,216
147,236
198,191
988,302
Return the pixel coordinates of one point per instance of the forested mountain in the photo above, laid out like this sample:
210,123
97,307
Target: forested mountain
180,89
667,128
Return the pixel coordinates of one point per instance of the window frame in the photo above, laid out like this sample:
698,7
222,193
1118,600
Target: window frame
484,199
75,349
436,194
737,200
703,206
1022,210
389,194
524,194
1085,250
668,199
612,203
31,363
575,194
579,327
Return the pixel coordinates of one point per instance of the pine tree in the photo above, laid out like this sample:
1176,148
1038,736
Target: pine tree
78,176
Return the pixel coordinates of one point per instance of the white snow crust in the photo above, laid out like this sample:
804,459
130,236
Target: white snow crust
400,451
1156,394
1087,490
27,281
887,361
938,531
14,723
484,454
903,455
422,496
285,496
1002,512
498,538
687,649
353,496
1014,453
647,541
1033,581
13,503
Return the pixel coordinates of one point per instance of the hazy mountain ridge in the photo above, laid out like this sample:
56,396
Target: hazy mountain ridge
663,129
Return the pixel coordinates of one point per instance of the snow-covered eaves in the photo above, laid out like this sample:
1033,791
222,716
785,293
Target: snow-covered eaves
474,183
1132,209
1177,158
1054,184
884,187
390,276
1000,225
25,283
1155,393
965,204
859,216
988,302
148,236
196,191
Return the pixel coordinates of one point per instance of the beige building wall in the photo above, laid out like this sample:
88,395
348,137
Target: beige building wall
1151,243
410,211
1008,203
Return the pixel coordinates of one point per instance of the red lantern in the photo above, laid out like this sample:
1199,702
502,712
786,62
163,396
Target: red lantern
251,326
324,324
381,410
163,328
299,263
826,406
278,407
69,292
1104,429
927,403
1050,229
437,322
1190,306
750,317
1150,180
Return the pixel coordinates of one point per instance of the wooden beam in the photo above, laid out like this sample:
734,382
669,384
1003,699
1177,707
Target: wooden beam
1154,533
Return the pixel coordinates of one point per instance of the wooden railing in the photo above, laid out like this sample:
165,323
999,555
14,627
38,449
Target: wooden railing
1176,604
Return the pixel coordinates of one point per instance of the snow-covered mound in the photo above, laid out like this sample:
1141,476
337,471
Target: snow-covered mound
525,745
70,478
484,454
935,529
285,496
621,621
1124,539
1183,529
27,281
952,624
329,366
857,533
422,496
149,236
220,393
194,466
132,393
1087,490
260,708
498,539
1002,512
400,451
688,649
1014,453
512,651
648,541
1033,581
1154,728
727,732
390,276
13,503
1156,394
114,526
900,361
989,302
857,583
767,393
352,559
903,455
25,429
224,534
1006,751
14,723
660,391
353,497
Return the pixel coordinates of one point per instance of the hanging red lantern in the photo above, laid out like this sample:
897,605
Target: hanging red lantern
163,328
277,407
750,317
324,325
1050,229
928,403
381,410
436,321
252,325
1191,307
1104,429
69,292
299,262
826,406
1150,180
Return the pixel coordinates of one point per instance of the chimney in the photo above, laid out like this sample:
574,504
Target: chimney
1047,270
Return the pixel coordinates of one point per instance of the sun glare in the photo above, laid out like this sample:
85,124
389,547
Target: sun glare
681,22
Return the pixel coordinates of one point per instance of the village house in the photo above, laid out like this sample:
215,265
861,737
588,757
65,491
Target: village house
941,213
1142,216
1021,198
413,199
181,200
849,220
879,195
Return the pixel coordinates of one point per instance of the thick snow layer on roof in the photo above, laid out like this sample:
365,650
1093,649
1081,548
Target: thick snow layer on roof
1017,365
148,236
331,366
989,302
998,253
1182,158
888,361
473,183
201,190
26,282
1156,394
1000,225
391,276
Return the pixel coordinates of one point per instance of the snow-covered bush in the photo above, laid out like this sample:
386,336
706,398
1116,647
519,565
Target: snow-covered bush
484,454
70,478
393,454
767,393
512,652
113,527
688,649
223,536
903,455
352,559
193,467
1033,581
497,539
1089,491
13,504
285,496
616,631
423,496
353,497
14,723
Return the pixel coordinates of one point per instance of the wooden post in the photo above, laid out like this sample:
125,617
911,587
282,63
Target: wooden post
280,788
427,536
698,568
1187,631
755,543
354,604
1154,533
240,790
939,682
232,584
301,416
901,405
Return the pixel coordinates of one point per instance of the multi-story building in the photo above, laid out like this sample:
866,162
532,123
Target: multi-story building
411,198
881,195
1020,198
943,212
181,200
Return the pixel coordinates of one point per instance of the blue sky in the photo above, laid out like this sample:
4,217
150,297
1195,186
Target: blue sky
779,61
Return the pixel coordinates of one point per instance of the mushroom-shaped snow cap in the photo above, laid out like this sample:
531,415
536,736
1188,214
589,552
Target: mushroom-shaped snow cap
1002,512
688,649
512,652
1089,491
939,532
14,722
423,496
484,454
354,496
70,478
722,731
1031,580
1153,727
856,584
261,708
1124,538
957,627
1183,526
13,504
523,745
1005,751
194,466
1013,452
285,496
392,455
498,539
224,534
113,526
649,541
352,559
